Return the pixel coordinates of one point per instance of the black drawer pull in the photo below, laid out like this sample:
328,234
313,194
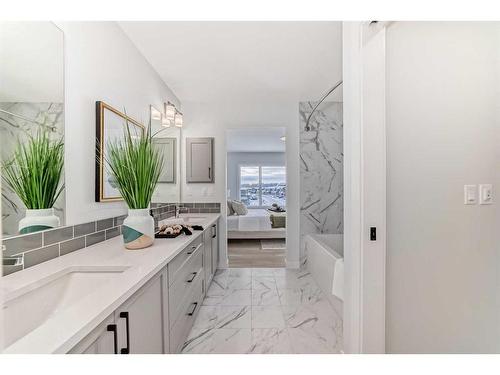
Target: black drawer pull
193,249
193,277
112,328
126,350
195,305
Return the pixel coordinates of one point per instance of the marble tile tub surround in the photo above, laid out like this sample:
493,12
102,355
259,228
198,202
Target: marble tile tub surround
265,311
41,247
321,170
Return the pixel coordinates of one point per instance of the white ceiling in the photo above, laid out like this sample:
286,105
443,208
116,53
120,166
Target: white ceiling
255,140
254,61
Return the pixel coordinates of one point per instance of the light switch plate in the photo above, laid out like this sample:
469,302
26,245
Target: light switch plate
485,194
470,194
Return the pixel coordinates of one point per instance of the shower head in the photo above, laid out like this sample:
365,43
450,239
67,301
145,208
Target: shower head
308,127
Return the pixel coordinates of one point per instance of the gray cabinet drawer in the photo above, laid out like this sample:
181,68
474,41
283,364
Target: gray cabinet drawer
178,262
180,330
182,289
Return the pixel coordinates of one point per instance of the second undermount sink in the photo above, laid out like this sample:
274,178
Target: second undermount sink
194,219
29,307
185,220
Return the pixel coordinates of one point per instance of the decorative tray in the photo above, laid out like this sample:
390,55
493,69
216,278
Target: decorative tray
158,235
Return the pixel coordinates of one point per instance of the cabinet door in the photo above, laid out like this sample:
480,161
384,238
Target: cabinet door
199,160
207,257
215,248
140,320
100,341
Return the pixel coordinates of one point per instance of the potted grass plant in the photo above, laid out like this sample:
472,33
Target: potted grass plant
34,174
135,165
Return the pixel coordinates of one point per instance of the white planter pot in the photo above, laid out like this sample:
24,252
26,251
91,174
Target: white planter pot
37,220
138,229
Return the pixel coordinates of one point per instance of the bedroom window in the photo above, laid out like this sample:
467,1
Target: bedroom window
261,186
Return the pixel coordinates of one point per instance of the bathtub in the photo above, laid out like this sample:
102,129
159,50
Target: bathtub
323,251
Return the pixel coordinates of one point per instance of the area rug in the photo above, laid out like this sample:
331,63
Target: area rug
274,244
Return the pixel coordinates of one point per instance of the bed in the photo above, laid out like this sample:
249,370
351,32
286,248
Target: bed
255,225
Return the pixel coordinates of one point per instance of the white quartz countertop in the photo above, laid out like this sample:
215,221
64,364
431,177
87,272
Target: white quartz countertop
63,330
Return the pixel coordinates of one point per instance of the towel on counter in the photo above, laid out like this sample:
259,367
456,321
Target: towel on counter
278,221
338,279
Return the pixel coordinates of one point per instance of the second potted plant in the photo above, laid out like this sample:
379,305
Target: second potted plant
34,173
136,165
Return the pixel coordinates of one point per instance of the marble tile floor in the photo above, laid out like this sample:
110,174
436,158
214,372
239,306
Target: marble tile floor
265,311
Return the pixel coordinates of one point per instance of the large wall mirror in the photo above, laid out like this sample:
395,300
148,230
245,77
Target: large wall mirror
167,137
31,113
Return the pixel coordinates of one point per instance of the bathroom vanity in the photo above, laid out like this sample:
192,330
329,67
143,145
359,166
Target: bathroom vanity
105,299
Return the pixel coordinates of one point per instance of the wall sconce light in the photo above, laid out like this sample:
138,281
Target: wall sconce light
155,114
165,122
170,112
178,119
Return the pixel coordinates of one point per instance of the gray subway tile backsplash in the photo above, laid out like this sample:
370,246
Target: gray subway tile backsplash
34,257
92,239
44,246
21,244
105,224
112,232
57,235
67,247
86,228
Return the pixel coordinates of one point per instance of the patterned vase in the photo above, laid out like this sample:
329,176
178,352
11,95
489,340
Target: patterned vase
138,229
37,220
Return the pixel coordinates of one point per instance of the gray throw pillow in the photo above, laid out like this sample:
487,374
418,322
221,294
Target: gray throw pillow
239,208
230,210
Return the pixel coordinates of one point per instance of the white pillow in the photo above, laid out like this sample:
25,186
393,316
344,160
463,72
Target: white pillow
239,208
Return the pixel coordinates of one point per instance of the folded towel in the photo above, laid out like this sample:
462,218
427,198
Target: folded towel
338,279
278,221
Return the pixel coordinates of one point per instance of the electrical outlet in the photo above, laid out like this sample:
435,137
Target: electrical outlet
485,194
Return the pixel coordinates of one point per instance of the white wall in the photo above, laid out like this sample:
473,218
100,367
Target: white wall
442,132
31,62
101,63
206,120
235,159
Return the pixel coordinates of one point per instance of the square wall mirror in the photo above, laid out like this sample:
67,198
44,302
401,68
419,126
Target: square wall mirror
31,101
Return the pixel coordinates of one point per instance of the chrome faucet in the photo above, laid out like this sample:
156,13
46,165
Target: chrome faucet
177,211
15,260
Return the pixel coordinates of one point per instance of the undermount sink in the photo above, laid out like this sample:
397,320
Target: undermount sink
194,219
186,220
29,307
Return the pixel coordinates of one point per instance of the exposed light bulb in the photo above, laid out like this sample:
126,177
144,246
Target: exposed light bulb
170,111
165,122
155,114
178,120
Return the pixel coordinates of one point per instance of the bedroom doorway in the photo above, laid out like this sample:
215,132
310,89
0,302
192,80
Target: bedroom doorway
256,197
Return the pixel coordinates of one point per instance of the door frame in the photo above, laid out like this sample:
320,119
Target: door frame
224,254
364,186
